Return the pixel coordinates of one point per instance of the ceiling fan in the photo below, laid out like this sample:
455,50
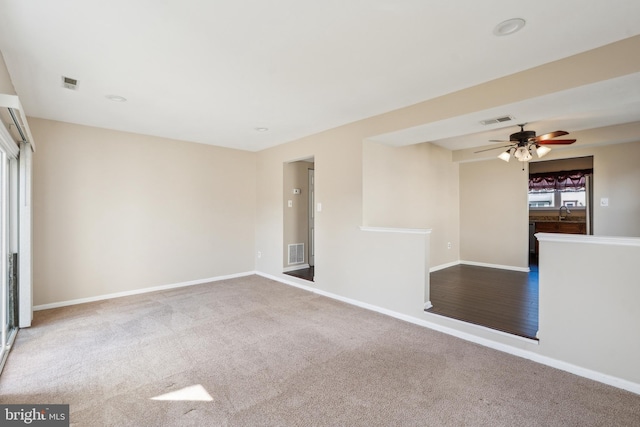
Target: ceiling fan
522,143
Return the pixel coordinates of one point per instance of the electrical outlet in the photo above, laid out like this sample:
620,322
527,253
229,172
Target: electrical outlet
604,201
449,245
259,254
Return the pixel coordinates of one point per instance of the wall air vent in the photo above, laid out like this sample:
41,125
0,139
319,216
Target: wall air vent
69,83
497,120
296,253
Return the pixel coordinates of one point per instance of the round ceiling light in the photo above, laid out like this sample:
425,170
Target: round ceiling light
262,129
116,98
509,27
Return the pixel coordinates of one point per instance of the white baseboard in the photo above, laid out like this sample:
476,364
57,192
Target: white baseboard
478,264
287,281
296,267
516,351
139,291
500,266
443,266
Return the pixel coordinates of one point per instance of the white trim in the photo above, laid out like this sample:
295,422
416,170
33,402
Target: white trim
479,264
525,354
140,291
396,230
7,143
478,327
500,266
287,281
10,101
583,238
25,267
443,266
295,267
13,102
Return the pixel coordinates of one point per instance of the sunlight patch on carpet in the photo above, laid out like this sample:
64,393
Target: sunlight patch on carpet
192,393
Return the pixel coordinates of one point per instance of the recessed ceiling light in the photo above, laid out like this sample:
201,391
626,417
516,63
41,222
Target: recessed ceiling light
262,129
509,26
116,98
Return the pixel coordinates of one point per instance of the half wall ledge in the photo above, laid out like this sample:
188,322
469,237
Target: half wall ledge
581,238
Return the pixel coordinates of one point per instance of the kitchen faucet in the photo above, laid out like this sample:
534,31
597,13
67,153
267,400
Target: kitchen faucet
560,217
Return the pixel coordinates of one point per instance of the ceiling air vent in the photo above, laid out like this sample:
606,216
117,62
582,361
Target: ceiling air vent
497,120
69,83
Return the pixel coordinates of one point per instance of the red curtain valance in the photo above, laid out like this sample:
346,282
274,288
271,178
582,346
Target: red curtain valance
544,182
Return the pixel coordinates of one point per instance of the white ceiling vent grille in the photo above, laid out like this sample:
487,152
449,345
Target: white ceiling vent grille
296,253
69,83
496,120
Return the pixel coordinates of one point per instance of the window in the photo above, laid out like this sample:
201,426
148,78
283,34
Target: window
541,200
555,199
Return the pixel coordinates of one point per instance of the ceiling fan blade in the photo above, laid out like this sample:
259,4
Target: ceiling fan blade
494,148
557,142
549,135
499,140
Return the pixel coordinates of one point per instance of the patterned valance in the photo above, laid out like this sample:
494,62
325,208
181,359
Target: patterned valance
545,182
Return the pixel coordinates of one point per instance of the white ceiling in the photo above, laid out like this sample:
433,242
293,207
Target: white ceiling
214,71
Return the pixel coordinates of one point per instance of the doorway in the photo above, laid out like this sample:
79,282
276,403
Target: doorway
299,218
560,199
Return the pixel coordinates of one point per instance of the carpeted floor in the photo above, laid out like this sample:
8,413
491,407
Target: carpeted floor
271,355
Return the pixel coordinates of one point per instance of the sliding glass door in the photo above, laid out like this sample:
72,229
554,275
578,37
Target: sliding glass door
8,251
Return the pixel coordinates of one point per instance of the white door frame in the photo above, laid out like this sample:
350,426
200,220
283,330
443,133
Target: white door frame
311,224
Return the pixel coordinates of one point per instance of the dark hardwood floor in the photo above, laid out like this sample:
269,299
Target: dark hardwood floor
498,299
303,273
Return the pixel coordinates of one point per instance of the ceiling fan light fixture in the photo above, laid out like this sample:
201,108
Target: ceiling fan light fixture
523,154
542,150
506,155
508,27
524,142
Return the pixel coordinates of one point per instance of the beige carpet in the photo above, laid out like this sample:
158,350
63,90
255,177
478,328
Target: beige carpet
272,355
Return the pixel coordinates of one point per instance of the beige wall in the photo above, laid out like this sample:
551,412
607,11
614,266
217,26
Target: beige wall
415,186
115,211
296,216
600,330
616,176
494,212
372,268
